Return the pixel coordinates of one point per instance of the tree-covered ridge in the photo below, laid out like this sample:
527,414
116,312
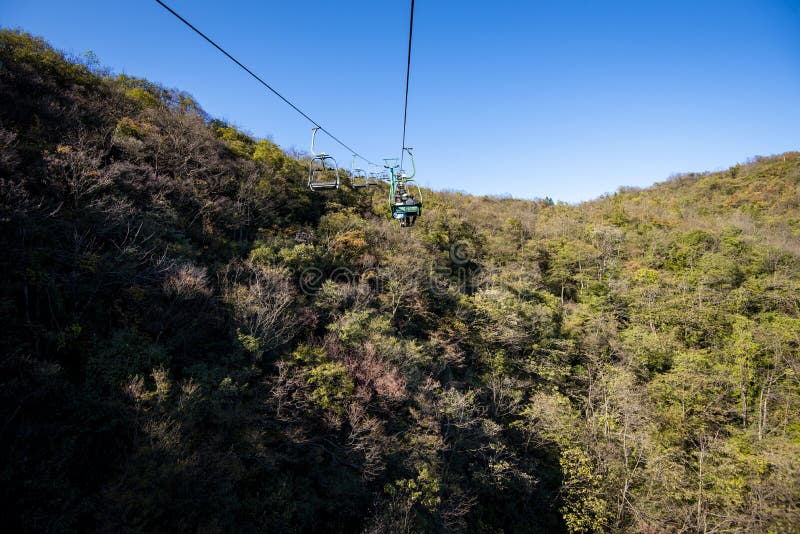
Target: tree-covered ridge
193,341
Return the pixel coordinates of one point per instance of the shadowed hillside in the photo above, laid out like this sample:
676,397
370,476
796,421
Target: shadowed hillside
195,342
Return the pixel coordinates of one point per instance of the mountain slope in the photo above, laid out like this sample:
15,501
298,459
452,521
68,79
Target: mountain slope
194,341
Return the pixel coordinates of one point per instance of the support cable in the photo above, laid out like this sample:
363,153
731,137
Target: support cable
408,74
268,86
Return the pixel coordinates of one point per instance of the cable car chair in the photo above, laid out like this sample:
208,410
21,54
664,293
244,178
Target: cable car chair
323,172
401,184
358,177
374,176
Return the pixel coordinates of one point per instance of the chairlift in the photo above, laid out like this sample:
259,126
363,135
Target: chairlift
358,177
323,172
402,188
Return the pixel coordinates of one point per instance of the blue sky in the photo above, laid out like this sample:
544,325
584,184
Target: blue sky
567,99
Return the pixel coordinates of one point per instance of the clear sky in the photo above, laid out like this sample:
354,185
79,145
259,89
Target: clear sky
566,99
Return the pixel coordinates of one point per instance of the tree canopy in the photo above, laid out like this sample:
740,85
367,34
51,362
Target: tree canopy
194,341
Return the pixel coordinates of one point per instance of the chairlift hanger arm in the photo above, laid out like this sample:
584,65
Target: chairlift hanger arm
313,136
413,166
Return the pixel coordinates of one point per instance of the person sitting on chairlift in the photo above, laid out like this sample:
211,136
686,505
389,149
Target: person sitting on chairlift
403,215
410,218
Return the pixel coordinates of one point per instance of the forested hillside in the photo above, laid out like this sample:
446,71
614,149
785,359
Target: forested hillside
195,342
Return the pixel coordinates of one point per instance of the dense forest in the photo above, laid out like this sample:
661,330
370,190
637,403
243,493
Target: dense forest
195,342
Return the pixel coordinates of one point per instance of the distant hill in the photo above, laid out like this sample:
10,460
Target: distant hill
194,341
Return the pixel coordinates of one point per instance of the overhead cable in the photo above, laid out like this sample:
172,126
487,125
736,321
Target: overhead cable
262,82
408,74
